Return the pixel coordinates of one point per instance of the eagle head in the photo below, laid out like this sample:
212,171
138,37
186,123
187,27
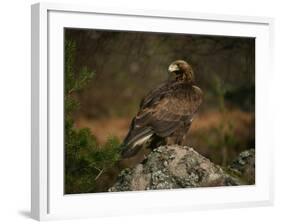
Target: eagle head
182,70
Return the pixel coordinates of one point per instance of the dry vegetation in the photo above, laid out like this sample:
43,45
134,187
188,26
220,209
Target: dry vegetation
202,134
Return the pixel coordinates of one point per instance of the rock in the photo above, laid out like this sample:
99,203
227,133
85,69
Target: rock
244,166
170,167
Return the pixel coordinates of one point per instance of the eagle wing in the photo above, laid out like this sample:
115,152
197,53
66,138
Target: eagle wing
161,112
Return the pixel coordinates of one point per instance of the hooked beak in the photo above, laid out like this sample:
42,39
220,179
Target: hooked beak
173,68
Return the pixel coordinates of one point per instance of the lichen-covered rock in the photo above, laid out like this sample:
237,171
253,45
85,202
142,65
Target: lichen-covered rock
244,166
170,167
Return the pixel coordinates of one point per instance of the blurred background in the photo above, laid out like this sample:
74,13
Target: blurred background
127,65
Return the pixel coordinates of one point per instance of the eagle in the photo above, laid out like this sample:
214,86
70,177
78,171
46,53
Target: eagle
166,113
164,117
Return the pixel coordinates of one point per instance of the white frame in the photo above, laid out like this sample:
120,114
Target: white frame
48,201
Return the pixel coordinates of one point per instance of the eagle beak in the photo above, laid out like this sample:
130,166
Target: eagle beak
173,68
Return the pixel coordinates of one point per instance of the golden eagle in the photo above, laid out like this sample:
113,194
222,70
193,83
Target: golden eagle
164,117
166,113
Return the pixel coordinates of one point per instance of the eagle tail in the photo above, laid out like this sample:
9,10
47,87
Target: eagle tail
128,152
135,140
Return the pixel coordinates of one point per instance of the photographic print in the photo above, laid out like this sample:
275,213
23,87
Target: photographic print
151,111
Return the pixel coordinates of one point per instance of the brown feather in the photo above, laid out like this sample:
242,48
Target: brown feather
167,111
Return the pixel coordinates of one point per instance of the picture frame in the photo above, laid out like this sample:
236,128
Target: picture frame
48,200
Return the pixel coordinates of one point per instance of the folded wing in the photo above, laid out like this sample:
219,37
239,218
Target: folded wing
161,113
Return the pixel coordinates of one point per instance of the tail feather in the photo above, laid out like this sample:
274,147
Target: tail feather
128,152
136,134
134,141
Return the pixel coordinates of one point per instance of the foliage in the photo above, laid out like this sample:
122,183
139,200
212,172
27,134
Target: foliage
85,159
